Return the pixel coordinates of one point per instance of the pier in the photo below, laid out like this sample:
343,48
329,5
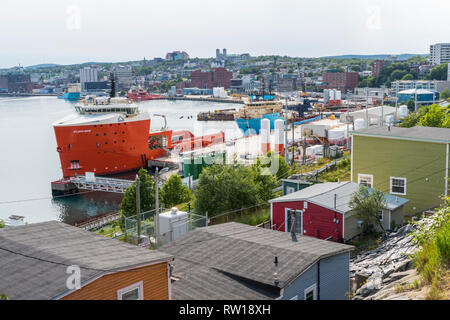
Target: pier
101,184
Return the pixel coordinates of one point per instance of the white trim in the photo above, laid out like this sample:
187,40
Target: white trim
351,159
294,298
138,285
446,172
286,222
312,288
271,215
367,175
169,281
390,186
390,215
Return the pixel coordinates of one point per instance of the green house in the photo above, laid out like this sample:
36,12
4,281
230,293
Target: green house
410,162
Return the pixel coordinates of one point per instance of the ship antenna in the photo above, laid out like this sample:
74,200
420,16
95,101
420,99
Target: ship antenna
112,93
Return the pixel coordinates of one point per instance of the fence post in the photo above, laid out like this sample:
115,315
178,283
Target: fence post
206,218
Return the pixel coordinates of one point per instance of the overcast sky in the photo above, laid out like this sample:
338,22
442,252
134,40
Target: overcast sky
76,31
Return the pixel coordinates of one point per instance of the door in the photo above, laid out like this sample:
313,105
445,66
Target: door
294,217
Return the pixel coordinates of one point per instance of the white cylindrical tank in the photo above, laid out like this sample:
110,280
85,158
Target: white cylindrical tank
389,120
338,97
332,96
279,136
359,124
265,136
403,111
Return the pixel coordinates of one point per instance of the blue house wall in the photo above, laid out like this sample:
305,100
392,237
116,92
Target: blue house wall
333,284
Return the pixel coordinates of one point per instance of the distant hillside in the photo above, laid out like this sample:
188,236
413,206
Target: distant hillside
39,66
404,56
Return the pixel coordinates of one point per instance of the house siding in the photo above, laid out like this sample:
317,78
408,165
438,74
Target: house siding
317,221
154,278
334,282
414,160
335,277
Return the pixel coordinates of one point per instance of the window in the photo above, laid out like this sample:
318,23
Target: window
133,292
290,216
365,180
380,215
398,186
311,292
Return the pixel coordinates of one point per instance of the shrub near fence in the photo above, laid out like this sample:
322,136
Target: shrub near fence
253,215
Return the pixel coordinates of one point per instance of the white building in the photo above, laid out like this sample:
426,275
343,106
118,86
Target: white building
124,75
440,53
402,85
88,74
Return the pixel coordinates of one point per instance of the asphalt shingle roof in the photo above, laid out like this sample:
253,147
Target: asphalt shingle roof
34,258
441,135
323,194
234,255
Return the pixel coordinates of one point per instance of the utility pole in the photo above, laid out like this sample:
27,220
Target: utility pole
293,138
138,207
157,207
348,128
396,103
382,107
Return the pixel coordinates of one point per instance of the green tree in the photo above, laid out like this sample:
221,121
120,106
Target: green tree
174,192
2,224
366,205
408,76
225,187
276,164
411,105
445,94
434,117
264,180
147,193
438,73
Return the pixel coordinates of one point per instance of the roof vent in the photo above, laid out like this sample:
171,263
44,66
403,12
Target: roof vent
275,274
174,210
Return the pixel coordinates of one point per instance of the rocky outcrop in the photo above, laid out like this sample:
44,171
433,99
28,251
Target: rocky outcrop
385,268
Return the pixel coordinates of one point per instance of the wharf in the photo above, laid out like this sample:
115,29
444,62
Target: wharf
206,98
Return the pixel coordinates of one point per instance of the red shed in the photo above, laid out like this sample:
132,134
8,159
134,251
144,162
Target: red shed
322,211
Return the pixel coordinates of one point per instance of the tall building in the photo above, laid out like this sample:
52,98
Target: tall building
124,76
15,83
343,81
219,77
440,53
88,74
378,66
177,55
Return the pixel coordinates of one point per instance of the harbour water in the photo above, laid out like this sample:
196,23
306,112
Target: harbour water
29,161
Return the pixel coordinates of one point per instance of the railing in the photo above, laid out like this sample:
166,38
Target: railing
101,184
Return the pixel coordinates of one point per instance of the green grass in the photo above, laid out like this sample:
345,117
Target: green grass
432,259
255,218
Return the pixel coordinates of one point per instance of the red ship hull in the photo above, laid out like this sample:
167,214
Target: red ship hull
106,149
143,96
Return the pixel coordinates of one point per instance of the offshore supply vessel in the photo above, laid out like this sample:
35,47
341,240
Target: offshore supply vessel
142,95
112,135
249,117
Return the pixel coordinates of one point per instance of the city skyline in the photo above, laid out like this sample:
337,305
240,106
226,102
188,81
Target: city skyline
81,31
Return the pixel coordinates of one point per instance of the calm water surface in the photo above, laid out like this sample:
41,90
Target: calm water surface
29,161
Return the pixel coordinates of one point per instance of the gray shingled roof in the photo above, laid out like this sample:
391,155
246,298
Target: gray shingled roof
440,135
34,258
323,194
213,260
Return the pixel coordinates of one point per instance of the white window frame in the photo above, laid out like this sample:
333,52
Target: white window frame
365,175
390,186
312,288
138,285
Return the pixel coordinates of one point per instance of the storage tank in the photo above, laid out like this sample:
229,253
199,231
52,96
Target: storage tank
332,97
359,124
403,111
389,120
326,96
279,136
265,136
338,97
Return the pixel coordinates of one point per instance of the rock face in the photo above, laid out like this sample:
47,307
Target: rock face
384,266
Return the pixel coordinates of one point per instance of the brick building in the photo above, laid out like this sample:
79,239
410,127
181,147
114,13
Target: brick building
343,81
378,66
219,77
15,83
